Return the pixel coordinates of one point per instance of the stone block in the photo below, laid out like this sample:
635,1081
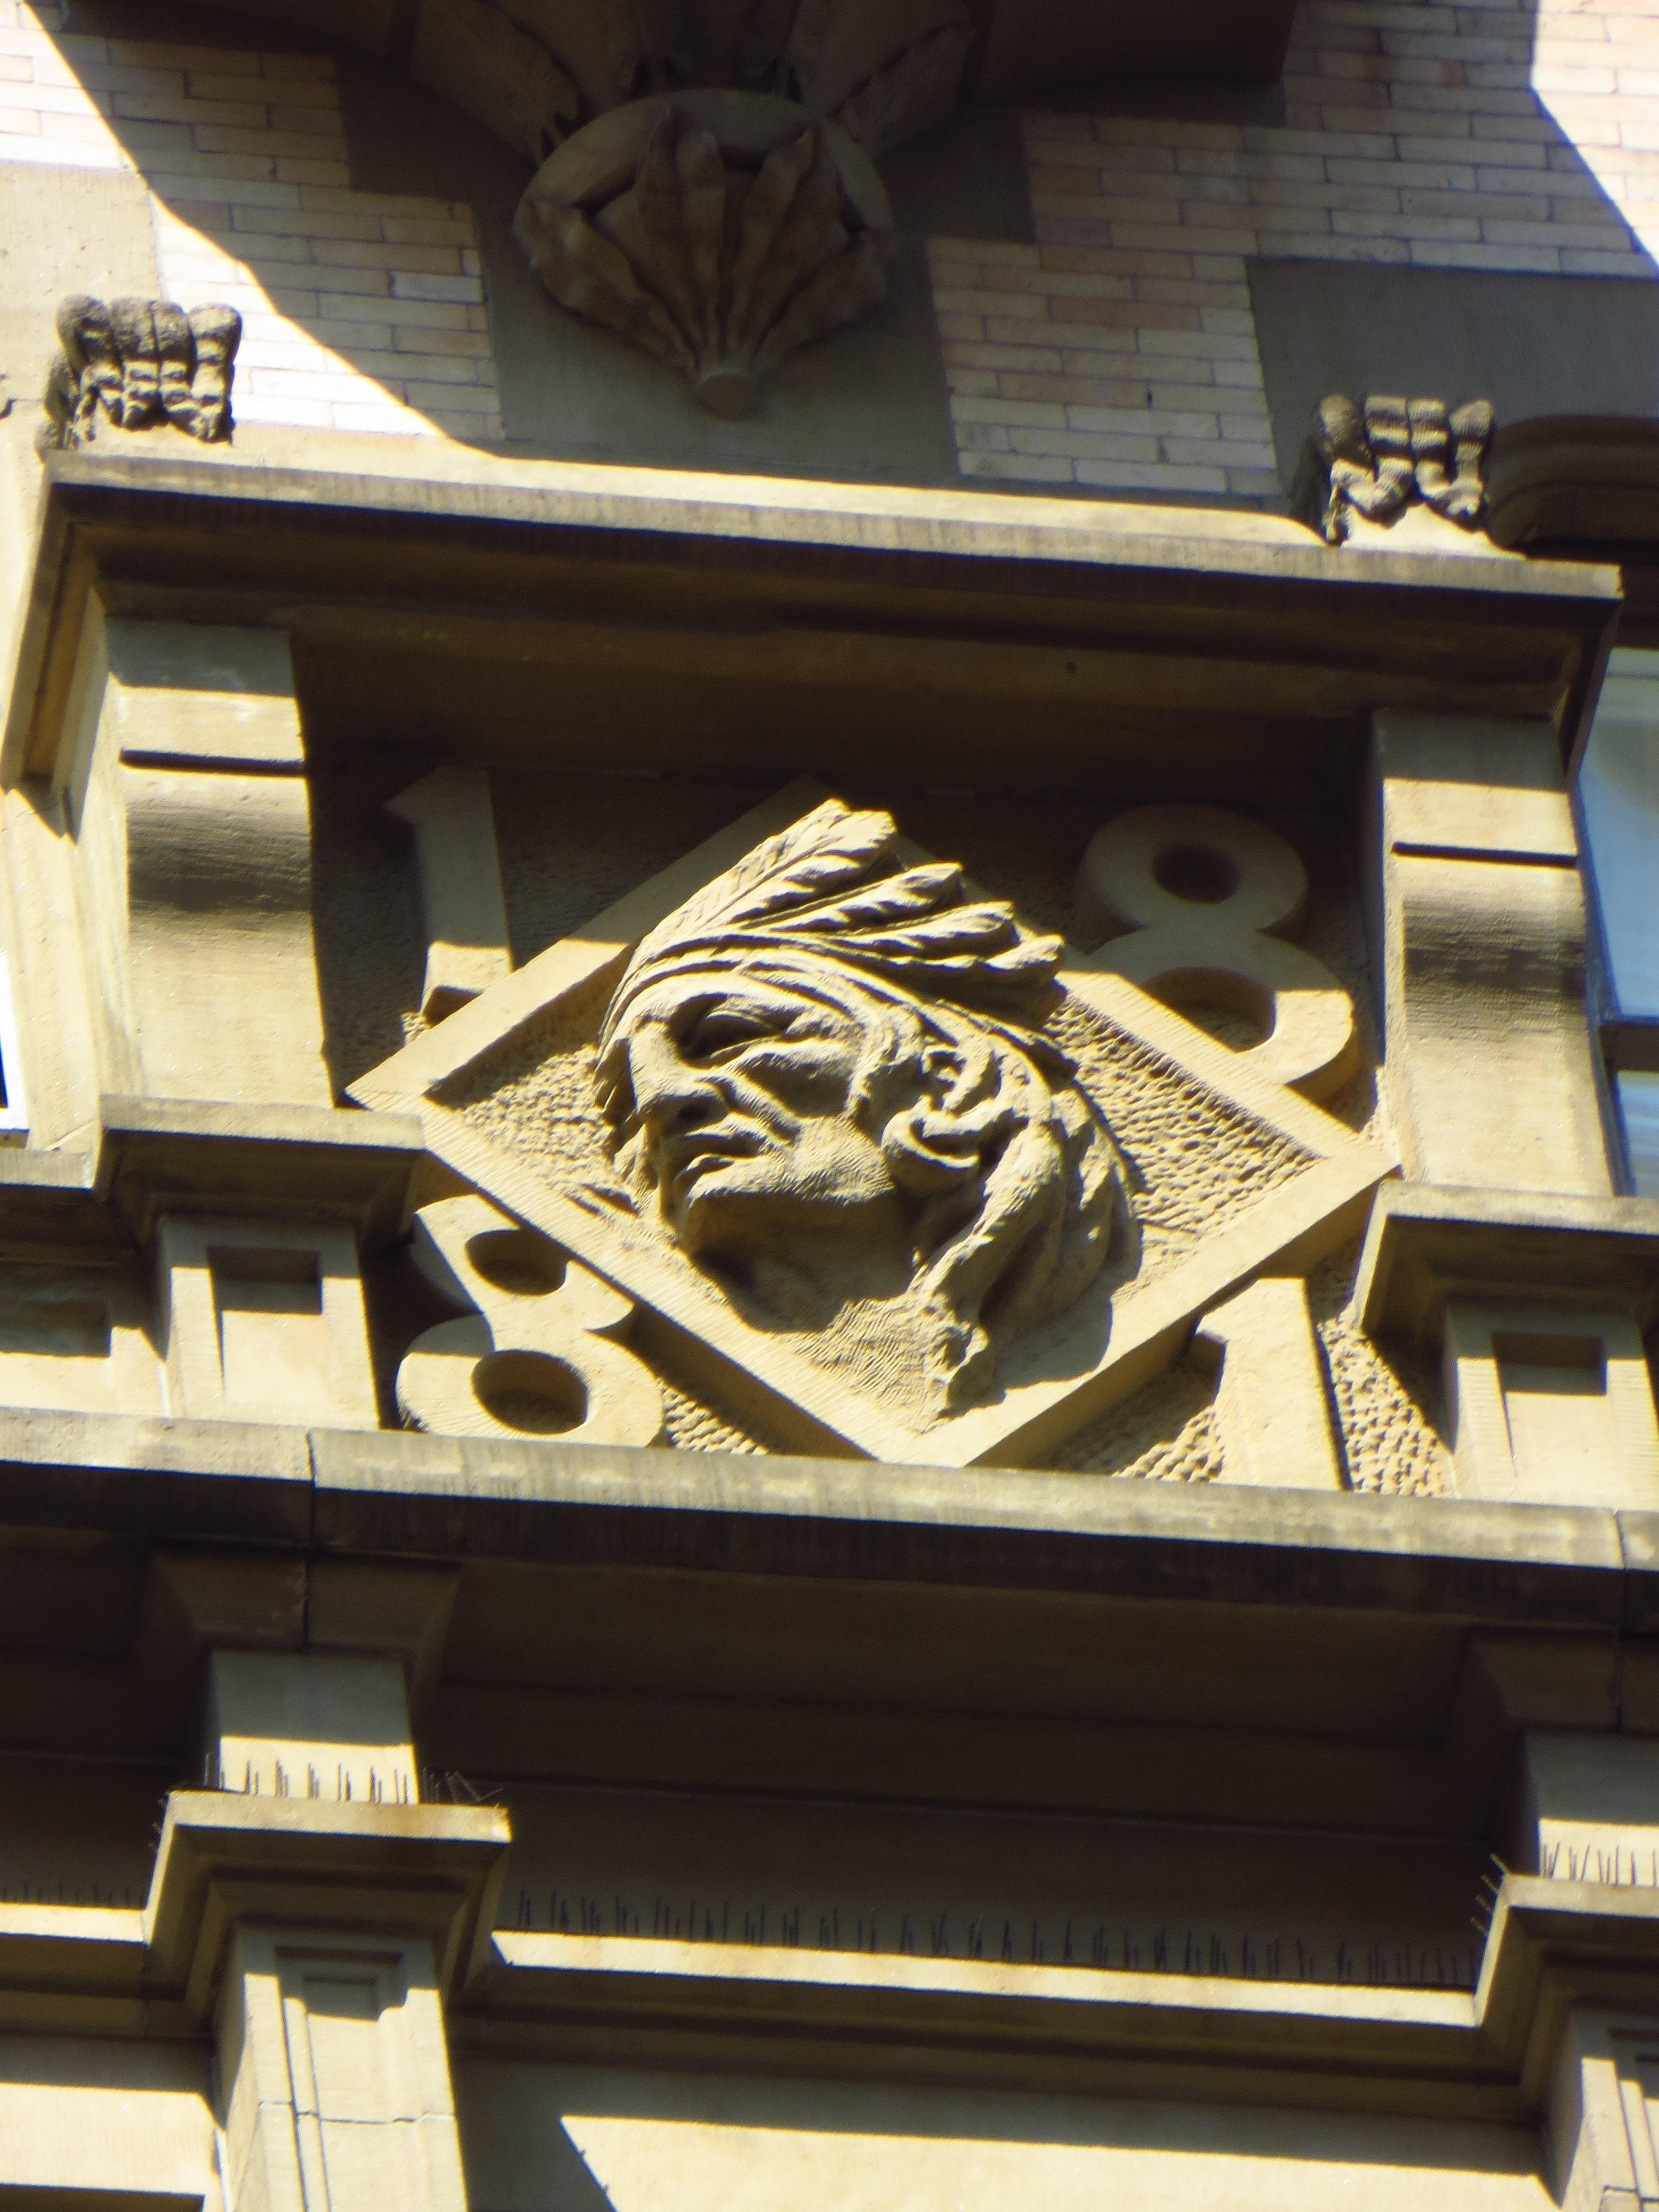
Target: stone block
305,1725
1587,1808
181,774
264,1323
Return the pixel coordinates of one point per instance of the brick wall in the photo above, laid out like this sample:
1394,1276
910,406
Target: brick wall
359,312
1119,351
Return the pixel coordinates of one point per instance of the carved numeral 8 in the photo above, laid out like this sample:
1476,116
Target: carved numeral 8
537,1358
1198,902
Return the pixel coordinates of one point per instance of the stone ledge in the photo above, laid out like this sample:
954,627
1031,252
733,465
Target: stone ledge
1431,2051
181,1156
155,1156
645,586
1488,2055
395,1494
224,1858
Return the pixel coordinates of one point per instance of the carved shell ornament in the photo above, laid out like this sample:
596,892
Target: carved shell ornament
707,188
718,231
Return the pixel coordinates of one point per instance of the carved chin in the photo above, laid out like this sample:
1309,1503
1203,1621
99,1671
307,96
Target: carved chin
699,1197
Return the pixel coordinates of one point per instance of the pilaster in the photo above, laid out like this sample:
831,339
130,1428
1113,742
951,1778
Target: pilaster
1479,922
318,1916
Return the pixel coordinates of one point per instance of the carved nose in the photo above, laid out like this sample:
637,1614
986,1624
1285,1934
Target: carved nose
668,1096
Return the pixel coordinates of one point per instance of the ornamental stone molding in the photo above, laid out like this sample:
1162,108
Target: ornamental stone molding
1371,458
136,363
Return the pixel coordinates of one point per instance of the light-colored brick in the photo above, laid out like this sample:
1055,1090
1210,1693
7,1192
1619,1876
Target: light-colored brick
1155,422
1131,475
1011,413
1085,444
1021,469
410,284
157,107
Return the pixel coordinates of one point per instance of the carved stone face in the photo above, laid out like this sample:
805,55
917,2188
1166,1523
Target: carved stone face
738,1124
827,1085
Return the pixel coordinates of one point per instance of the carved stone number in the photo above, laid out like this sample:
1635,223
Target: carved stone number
539,1357
1206,900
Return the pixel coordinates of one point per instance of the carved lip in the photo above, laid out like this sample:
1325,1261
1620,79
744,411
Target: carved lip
686,1160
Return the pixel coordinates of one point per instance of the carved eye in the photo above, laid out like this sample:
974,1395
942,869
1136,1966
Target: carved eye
720,1032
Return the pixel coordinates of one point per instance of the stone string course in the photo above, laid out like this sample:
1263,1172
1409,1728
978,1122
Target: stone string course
1119,351
361,313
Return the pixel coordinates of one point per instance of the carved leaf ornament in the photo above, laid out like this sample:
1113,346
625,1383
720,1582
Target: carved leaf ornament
1375,458
713,231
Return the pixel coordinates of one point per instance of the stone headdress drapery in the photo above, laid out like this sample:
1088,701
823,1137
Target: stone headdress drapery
1018,1182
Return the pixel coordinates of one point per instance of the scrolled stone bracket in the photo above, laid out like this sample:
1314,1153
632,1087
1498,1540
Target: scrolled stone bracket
538,1356
136,363
1374,457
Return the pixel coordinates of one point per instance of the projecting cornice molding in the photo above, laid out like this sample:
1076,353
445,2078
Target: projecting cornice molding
1240,646
1552,1945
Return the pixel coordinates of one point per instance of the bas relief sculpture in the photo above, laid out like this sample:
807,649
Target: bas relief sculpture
833,1153
828,1087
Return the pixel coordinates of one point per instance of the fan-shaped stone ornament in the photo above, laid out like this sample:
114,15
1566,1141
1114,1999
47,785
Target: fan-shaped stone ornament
719,231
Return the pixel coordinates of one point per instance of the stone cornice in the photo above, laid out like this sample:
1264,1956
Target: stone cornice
1237,643
395,1494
